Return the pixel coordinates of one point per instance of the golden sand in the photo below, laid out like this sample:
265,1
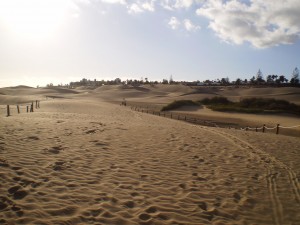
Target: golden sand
83,160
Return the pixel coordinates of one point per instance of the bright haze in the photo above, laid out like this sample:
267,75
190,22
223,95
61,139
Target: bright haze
58,41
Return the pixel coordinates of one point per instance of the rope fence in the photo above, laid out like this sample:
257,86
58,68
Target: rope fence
264,128
171,115
188,118
18,108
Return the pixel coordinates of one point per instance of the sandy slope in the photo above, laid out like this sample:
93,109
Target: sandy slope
84,161
160,95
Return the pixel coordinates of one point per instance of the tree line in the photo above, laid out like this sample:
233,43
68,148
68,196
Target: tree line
270,80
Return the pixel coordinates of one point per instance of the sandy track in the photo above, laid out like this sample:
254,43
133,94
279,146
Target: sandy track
276,172
90,162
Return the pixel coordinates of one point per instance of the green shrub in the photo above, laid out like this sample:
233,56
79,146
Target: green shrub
268,104
252,105
178,104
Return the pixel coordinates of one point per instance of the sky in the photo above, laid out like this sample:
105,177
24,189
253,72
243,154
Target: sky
58,41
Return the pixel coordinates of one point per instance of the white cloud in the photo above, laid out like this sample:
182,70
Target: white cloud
186,24
139,7
261,23
183,3
135,8
123,2
174,23
189,26
177,4
149,5
82,1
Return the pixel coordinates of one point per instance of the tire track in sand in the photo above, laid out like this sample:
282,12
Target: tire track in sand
267,158
276,204
270,162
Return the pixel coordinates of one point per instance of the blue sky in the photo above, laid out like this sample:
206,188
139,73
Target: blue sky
59,41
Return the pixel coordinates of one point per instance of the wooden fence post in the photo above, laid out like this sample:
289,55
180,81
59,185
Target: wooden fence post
264,127
36,104
31,108
18,108
8,110
27,108
255,129
277,129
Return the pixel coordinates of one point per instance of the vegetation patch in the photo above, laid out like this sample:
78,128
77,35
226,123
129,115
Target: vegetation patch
180,103
251,105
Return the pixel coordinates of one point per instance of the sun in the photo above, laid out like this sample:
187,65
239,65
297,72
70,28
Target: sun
33,18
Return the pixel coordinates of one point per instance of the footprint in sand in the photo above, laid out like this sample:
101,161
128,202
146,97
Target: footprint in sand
59,165
17,210
34,138
14,189
200,178
55,149
129,204
144,176
134,194
183,186
3,204
16,168
17,192
162,216
202,205
5,200
92,131
151,209
144,216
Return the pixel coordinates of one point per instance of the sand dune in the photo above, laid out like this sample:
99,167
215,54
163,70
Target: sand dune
21,94
84,160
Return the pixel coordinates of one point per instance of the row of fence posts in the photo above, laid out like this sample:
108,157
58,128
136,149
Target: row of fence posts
172,116
185,119
153,112
29,108
264,128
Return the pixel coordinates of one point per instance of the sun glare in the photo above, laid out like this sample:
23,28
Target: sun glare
33,18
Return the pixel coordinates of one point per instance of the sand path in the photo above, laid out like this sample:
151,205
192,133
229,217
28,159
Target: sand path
91,162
